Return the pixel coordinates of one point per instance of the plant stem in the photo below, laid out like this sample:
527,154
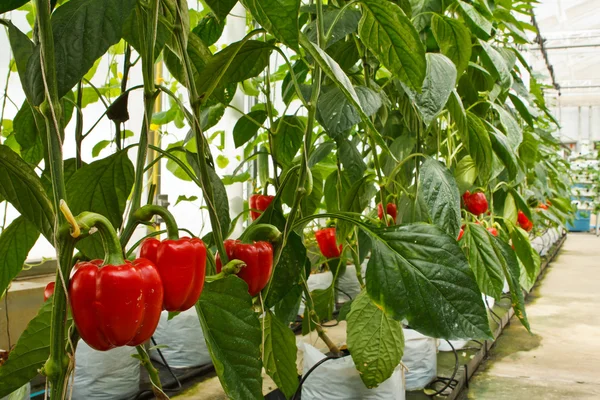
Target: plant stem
58,365
148,27
146,213
203,151
152,373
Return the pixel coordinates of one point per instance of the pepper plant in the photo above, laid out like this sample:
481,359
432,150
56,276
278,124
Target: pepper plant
358,106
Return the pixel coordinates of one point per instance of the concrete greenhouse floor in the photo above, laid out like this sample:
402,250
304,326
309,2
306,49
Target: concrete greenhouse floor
561,360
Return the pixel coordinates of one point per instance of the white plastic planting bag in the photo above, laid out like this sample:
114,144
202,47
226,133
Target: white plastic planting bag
339,380
105,375
348,285
420,357
23,393
184,340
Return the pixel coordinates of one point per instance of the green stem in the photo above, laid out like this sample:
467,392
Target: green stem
233,267
152,373
58,365
146,213
203,151
110,241
304,171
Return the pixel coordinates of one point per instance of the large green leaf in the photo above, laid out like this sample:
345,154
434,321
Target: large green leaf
503,150
391,36
221,8
30,353
437,87
280,354
418,272
345,24
23,189
478,24
512,271
523,108
9,5
375,341
233,335
83,31
103,187
246,127
479,145
454,40
337,75
458,114
441,195
288,138
513,131
287,308
351,159
236,63
15,243
478,246
22,48
525,252
495,64
465,173
209,29
336,113
278,17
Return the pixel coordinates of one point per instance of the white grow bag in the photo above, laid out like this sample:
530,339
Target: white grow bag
339,380
184,341
348,285
420,357
105,375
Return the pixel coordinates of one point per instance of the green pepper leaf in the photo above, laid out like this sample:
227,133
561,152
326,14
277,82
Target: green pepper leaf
278,17
375,341
23,189
226,315
16,242
280,352
418,272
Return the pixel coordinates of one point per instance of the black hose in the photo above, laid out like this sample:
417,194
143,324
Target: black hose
449,381
166,364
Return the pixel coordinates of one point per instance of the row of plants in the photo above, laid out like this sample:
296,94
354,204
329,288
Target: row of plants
372,120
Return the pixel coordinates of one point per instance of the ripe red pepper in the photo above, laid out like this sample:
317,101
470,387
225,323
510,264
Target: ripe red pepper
391,210
524,222
461,233
493,231
543,206
49,291
116,305
258,204
476,203
328,243
181,264
258,258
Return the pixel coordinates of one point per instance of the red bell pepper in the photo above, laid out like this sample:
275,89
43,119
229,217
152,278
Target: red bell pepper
475,203
258,204
181,264
328,243
116,305
493,231
524,222
543,206
461,233
258,258
49,291
391,210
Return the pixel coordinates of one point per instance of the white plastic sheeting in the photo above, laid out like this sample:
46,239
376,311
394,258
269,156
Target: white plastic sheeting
339,380
184,341
105,375
420,357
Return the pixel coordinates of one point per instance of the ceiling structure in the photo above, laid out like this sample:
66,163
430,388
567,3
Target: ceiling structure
571,33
